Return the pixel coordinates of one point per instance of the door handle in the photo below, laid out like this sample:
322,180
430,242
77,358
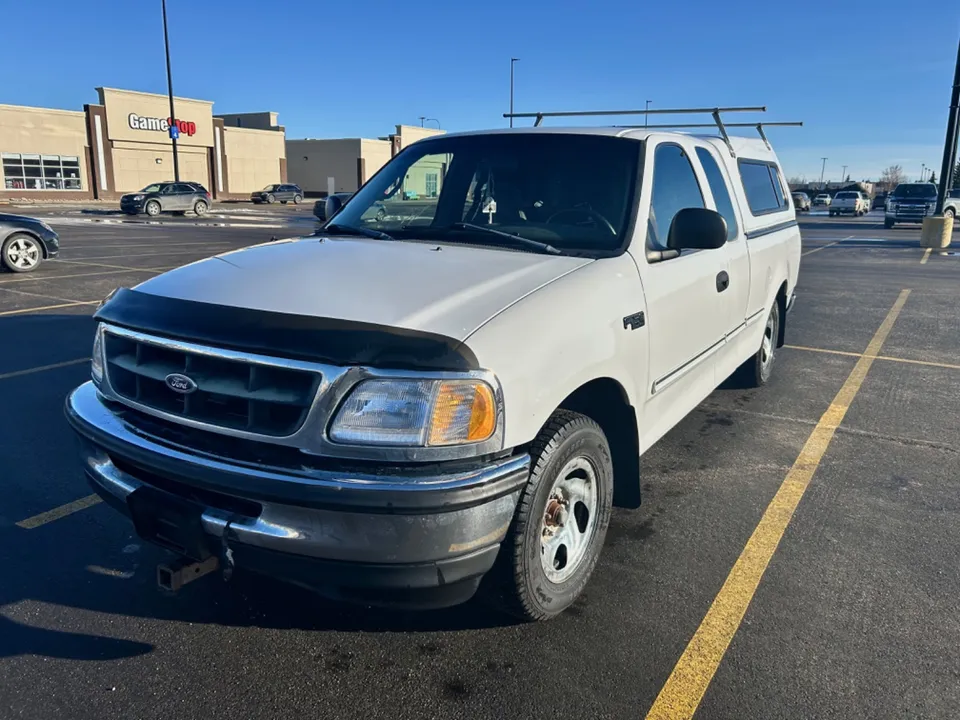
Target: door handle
723,281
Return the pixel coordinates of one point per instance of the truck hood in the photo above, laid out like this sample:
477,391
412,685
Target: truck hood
449,290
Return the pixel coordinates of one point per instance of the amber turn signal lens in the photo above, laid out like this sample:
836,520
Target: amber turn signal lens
464,412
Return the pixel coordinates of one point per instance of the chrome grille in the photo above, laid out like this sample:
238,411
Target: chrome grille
258,398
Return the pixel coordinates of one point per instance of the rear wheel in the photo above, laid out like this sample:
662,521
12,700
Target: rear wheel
757,370
561,520
200,207
152,208
21,253
297,199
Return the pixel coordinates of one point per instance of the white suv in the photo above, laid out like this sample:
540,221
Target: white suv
403,402
951,206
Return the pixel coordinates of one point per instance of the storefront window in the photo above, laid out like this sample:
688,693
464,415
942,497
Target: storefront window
40,172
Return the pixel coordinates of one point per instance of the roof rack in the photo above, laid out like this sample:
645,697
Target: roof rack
714,112
685,126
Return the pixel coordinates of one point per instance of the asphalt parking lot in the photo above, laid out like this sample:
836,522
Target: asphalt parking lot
795,555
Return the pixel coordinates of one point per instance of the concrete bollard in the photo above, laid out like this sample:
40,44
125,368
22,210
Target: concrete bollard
937,232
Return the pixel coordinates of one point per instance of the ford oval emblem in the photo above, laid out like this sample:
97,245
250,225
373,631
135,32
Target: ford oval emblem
180,383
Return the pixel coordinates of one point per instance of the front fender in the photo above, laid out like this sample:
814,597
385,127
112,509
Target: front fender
561,337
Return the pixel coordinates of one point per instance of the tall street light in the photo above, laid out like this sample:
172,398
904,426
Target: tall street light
952,140
822,169
923,170
513,61
174,131
423,120
843,175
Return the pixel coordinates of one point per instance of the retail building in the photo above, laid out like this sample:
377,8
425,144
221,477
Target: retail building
122,144
320,167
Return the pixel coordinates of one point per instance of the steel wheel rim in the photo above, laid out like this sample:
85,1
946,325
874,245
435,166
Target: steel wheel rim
153,209
768,344
569,521
201,208
23,253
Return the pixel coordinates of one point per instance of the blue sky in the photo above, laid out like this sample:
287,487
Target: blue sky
872,87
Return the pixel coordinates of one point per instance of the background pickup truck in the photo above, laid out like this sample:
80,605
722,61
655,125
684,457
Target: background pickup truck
402,403
849,202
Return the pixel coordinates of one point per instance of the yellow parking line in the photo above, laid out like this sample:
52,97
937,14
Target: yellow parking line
58,512
47,307
99,264
693,673
888,358
822,247
153,254
39,295
926,256
38,278
41,368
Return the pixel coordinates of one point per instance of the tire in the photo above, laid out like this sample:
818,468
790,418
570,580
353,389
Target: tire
297,199
152,208
283,202
888,223
570,458
756,371
949,212
200,208
21,253
271,199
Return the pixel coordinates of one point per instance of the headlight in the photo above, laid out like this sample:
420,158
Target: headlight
138,197
96,358
416,413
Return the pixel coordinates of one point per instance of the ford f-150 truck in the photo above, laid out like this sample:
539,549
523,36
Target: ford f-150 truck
404,403
910,202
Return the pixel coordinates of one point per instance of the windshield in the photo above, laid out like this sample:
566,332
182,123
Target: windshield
916,190
573,192
152,188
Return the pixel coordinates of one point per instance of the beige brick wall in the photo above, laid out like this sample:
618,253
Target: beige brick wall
253,158
135,164
41,131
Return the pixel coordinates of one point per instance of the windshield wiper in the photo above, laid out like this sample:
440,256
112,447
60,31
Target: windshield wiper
535,244
336,229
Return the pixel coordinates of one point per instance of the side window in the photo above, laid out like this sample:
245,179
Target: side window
721,193
758,184
777,187
182,189
675,187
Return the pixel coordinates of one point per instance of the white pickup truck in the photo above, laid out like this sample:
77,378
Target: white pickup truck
402,403
850,202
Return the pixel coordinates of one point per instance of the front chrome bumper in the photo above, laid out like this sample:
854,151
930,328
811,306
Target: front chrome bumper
389,529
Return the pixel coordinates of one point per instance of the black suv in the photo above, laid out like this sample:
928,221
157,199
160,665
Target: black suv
274,193
175,197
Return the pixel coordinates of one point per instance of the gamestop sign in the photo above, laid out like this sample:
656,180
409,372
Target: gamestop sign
138,122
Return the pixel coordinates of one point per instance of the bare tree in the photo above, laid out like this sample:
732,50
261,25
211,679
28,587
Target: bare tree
892,176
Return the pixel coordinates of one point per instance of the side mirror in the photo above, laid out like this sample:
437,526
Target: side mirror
697,229
332,206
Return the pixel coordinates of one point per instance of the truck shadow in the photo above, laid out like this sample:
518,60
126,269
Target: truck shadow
93,562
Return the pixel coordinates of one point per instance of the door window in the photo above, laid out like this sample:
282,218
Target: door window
721,193
675,187
181,189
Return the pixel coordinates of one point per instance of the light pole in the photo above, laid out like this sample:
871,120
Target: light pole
646,118
843,175
422,120
822,169
923,170
513,60
173,128
953,139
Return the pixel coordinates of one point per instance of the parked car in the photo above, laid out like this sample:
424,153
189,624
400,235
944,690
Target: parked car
849,202
25,242
879,201
278,193
910,202
320,206
173,197
951,206
822,199
801,201
392,412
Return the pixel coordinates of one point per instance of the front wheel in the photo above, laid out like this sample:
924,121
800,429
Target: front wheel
153,208
21,253
949,212
297,199
271,199
561,519
757,370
